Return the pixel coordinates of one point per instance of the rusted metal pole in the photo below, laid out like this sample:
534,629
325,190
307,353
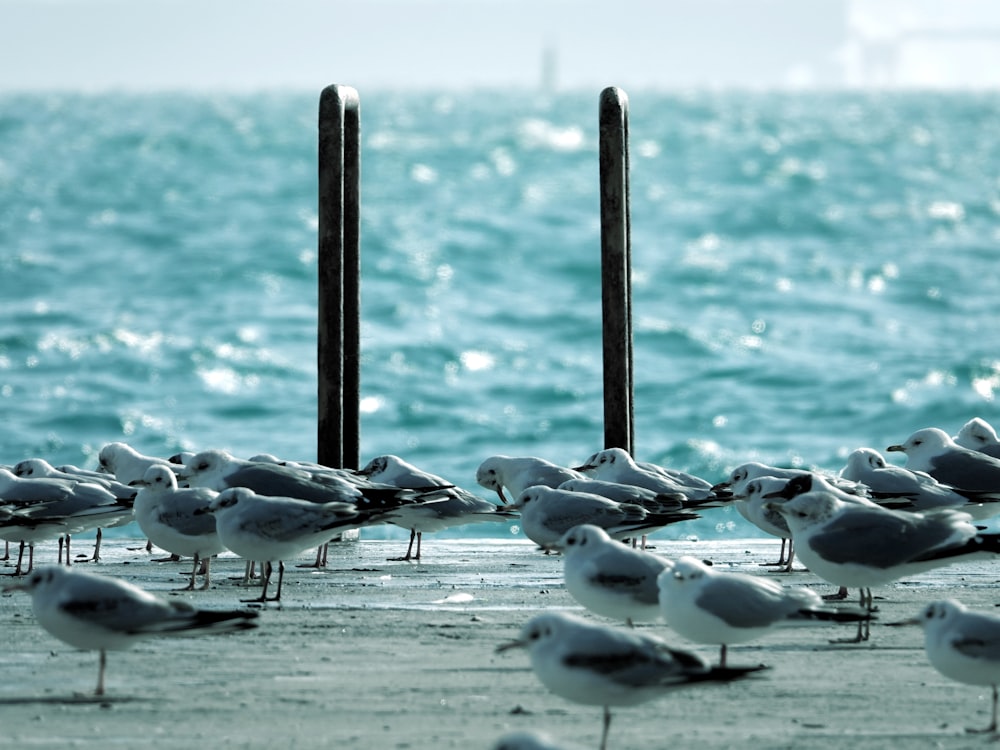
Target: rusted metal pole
339,329
616,271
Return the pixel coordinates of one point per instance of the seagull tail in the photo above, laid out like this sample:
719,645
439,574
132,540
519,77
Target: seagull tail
988,543
196,621
835,615
728,674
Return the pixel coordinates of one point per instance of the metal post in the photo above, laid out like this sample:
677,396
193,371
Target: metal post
616,271
339,330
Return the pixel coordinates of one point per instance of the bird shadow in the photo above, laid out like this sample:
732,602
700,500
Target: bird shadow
74,699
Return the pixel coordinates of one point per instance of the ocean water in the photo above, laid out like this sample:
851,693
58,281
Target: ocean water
813,272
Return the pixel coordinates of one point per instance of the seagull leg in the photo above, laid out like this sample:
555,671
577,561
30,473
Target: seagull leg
781,558
206,568
606,727
992,728
194,571
101,664
864,626
68,561
722,655
20,557
407,557
96,557
791,556
248,573
6,552
265,575
320,561
281,577
839,596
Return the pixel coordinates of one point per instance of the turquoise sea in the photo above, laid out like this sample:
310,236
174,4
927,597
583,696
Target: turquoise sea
813,272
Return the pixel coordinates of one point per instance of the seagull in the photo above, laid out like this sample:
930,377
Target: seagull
46,508
516,474
547,514
931,450
755,469
445,507
963,645
94,612
628,493
177,520
39,468
808,481
613,455
609,578
219,470
616,465
977,434
750,498
126,464
266,528
902,489
860,546
720,607
597,665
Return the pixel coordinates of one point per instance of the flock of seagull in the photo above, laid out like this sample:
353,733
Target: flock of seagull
868,525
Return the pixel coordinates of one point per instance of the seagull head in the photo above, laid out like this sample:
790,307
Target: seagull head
606,460
807,509
490,475
37,580
923,444
582,537
934,614
540,631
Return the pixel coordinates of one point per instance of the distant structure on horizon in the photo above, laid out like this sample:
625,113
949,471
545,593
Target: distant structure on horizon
929,44
823,44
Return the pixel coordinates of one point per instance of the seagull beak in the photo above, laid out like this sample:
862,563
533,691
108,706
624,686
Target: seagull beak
721,486
896,448
911,621
138,483
585,467
503,498
13,587
509,645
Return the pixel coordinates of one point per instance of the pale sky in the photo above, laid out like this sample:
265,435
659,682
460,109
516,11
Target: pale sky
308,44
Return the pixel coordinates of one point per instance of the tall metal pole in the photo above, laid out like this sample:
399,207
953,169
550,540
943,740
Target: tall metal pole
616,271
339,329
